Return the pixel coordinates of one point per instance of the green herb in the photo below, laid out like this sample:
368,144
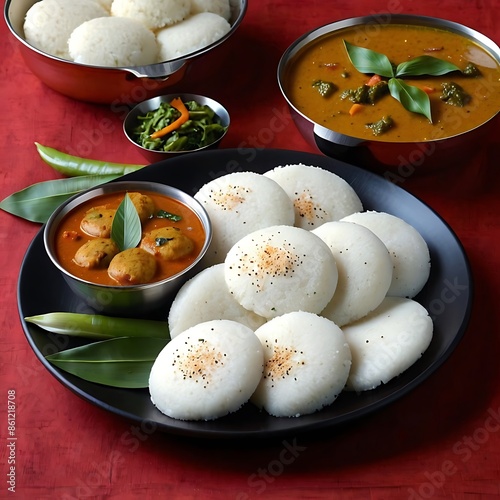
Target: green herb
202,128
121,362
96,326
417,101
162,214
74,165
454,94
126,229
325,89
381,126
37,202
159,242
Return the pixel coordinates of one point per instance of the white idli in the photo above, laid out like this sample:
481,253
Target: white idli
154,14
386,342
238,204
113,41
364,268
281,269
318,195
408,250
220,7
206,297
207,371
196,32
306,364
49,23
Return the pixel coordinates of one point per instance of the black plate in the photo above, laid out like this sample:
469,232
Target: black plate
447,295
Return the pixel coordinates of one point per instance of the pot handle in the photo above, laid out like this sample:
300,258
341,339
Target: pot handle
159,71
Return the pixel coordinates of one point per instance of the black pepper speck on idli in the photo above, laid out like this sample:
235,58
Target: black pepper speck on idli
306,364
207,371
238,204
49,23
280,269
318,195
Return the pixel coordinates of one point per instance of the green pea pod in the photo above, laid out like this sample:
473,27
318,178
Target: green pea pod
122,362
97,326
37,202
74,165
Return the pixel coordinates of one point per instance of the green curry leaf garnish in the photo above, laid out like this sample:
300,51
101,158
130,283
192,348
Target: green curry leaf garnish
412,98
126,229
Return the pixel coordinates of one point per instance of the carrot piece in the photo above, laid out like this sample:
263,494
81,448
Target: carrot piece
374,80
355,108
179,106
428,90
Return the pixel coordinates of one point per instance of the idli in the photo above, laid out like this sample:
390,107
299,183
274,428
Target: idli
49,23
318,195
364,268
207,371
196,32
220,7
280,269
113,42
206,297
154,14
238,204
386,342
407,249
306,364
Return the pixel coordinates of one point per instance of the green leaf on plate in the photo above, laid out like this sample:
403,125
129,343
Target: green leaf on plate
425,65
122,362
37,202
412,98
369,61
126,229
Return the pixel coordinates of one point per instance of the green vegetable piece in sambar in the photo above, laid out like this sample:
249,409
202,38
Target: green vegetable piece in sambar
454,94
325,89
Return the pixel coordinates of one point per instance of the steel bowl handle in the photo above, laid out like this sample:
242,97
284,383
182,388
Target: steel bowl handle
159,71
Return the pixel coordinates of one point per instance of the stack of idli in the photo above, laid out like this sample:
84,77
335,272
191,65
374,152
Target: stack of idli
49,23
117,33
327,289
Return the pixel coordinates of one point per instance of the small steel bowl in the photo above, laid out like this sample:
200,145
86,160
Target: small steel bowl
128,85
133,300
396,160
131,122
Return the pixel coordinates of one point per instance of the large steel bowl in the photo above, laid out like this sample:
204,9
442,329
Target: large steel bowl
118,85
395,159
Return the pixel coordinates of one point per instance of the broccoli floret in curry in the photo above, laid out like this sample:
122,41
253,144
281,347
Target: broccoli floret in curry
366,94
325,89
454,94
381,126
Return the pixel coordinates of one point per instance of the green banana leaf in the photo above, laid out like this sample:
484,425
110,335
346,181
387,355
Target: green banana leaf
37,202
122,362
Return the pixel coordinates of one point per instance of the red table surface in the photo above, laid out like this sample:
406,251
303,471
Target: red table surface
440,441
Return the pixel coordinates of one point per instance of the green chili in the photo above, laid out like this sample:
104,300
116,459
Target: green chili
74,165
96,326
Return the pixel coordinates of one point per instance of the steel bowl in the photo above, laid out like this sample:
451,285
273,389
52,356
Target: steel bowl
394,159
128,85
131,122
133,300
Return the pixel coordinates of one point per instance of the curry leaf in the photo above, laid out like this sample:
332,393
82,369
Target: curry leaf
126,228
121,362
37,202
369,61
412,98
425,65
